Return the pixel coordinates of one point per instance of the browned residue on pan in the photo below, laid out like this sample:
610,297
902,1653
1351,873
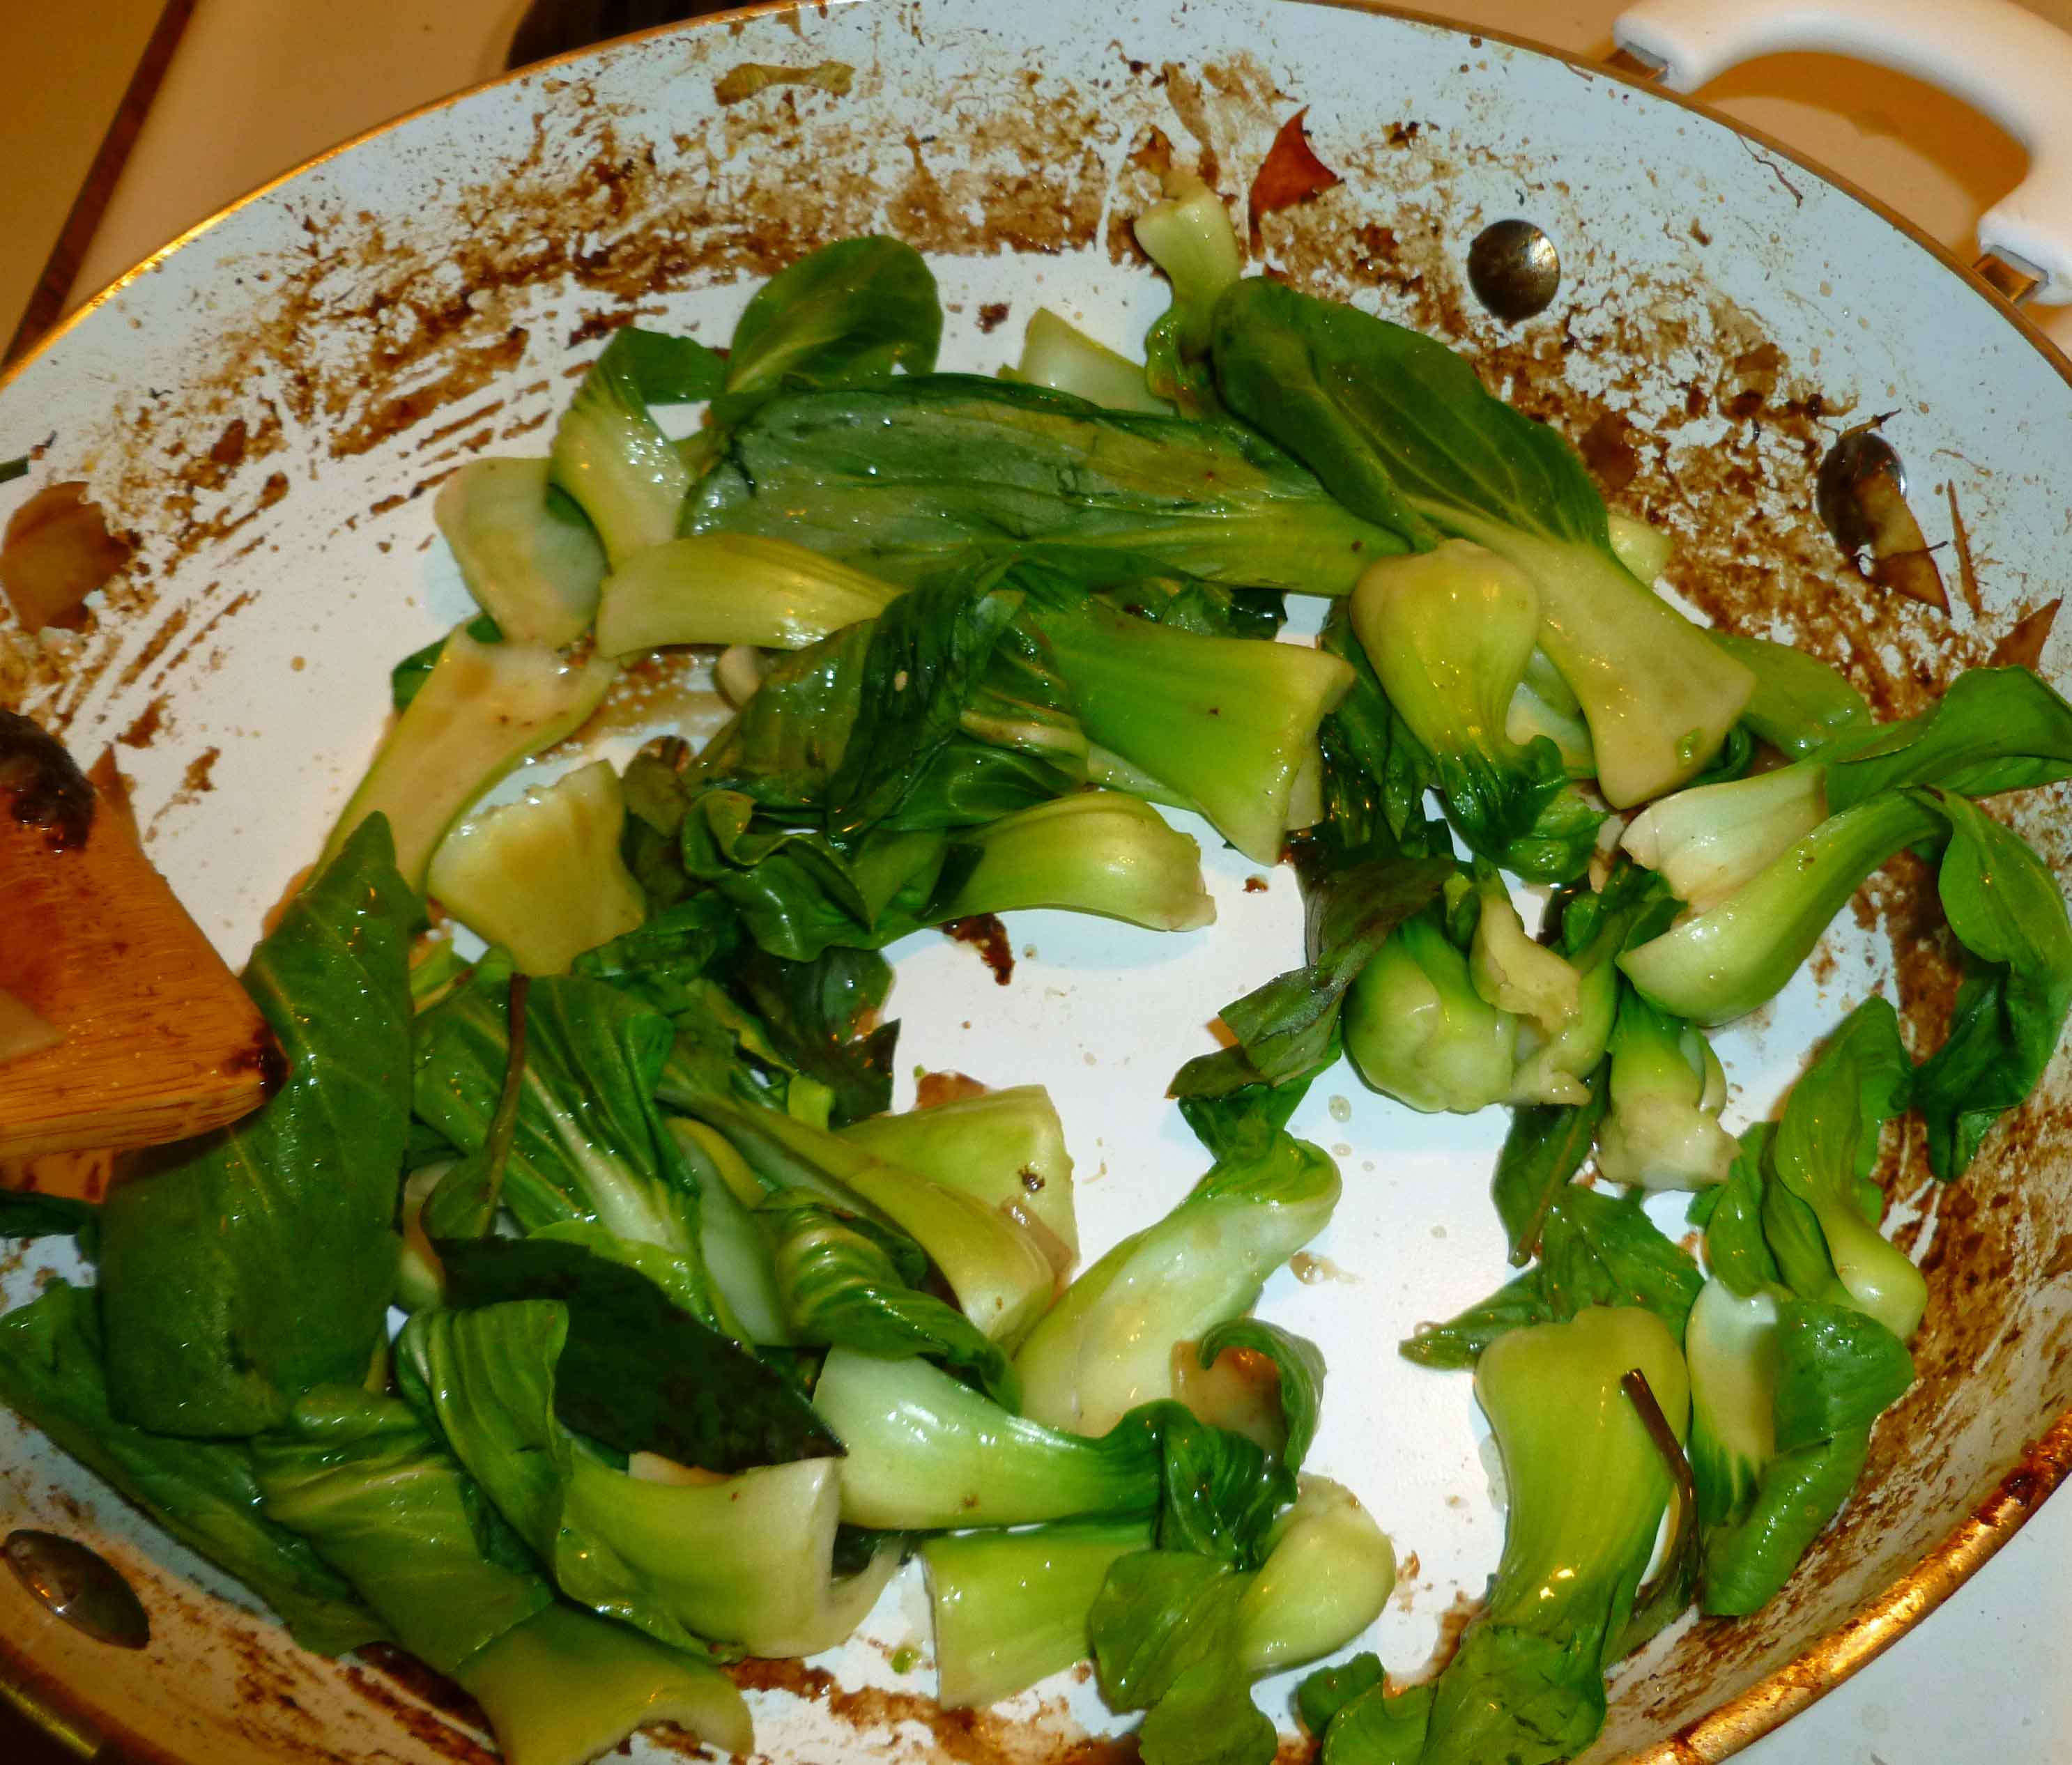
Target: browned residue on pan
966,1736
378,323
146,727
985,934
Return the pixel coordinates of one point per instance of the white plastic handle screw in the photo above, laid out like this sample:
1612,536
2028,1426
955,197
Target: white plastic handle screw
1999,59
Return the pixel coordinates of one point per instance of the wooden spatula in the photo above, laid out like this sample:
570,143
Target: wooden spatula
157,1040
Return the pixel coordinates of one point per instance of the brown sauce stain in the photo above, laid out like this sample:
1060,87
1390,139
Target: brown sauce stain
475,370
1608,451
992,316
230,608
228,449
195,783
422,1683
197,777
1255,885
445,431
985,934
428,1727
1453,1625
1967,572
1900,900
961,1737
161,639
57,550
146,726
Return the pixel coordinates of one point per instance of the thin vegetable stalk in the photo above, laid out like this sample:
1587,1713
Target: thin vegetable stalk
926,1453
733,588
1006,1146
611,456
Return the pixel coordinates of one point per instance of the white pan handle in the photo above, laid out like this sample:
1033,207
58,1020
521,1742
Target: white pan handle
1999,59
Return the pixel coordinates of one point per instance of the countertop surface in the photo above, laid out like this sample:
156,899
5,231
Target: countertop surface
257,86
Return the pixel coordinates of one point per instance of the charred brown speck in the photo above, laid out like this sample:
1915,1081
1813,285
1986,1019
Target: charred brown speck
47,789
1514,269
985,934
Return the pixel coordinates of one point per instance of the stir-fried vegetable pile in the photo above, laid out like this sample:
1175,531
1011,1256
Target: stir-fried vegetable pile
702,1343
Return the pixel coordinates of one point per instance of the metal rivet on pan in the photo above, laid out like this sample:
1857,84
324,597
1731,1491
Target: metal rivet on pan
80,1585
1514,269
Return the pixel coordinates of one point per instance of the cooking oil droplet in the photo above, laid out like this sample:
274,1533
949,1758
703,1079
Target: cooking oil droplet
1341,1109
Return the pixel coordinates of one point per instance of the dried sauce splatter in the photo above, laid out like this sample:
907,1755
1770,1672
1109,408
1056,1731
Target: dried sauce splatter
957,1737
145,727
985,934
423,1684
1607,449
1290,173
